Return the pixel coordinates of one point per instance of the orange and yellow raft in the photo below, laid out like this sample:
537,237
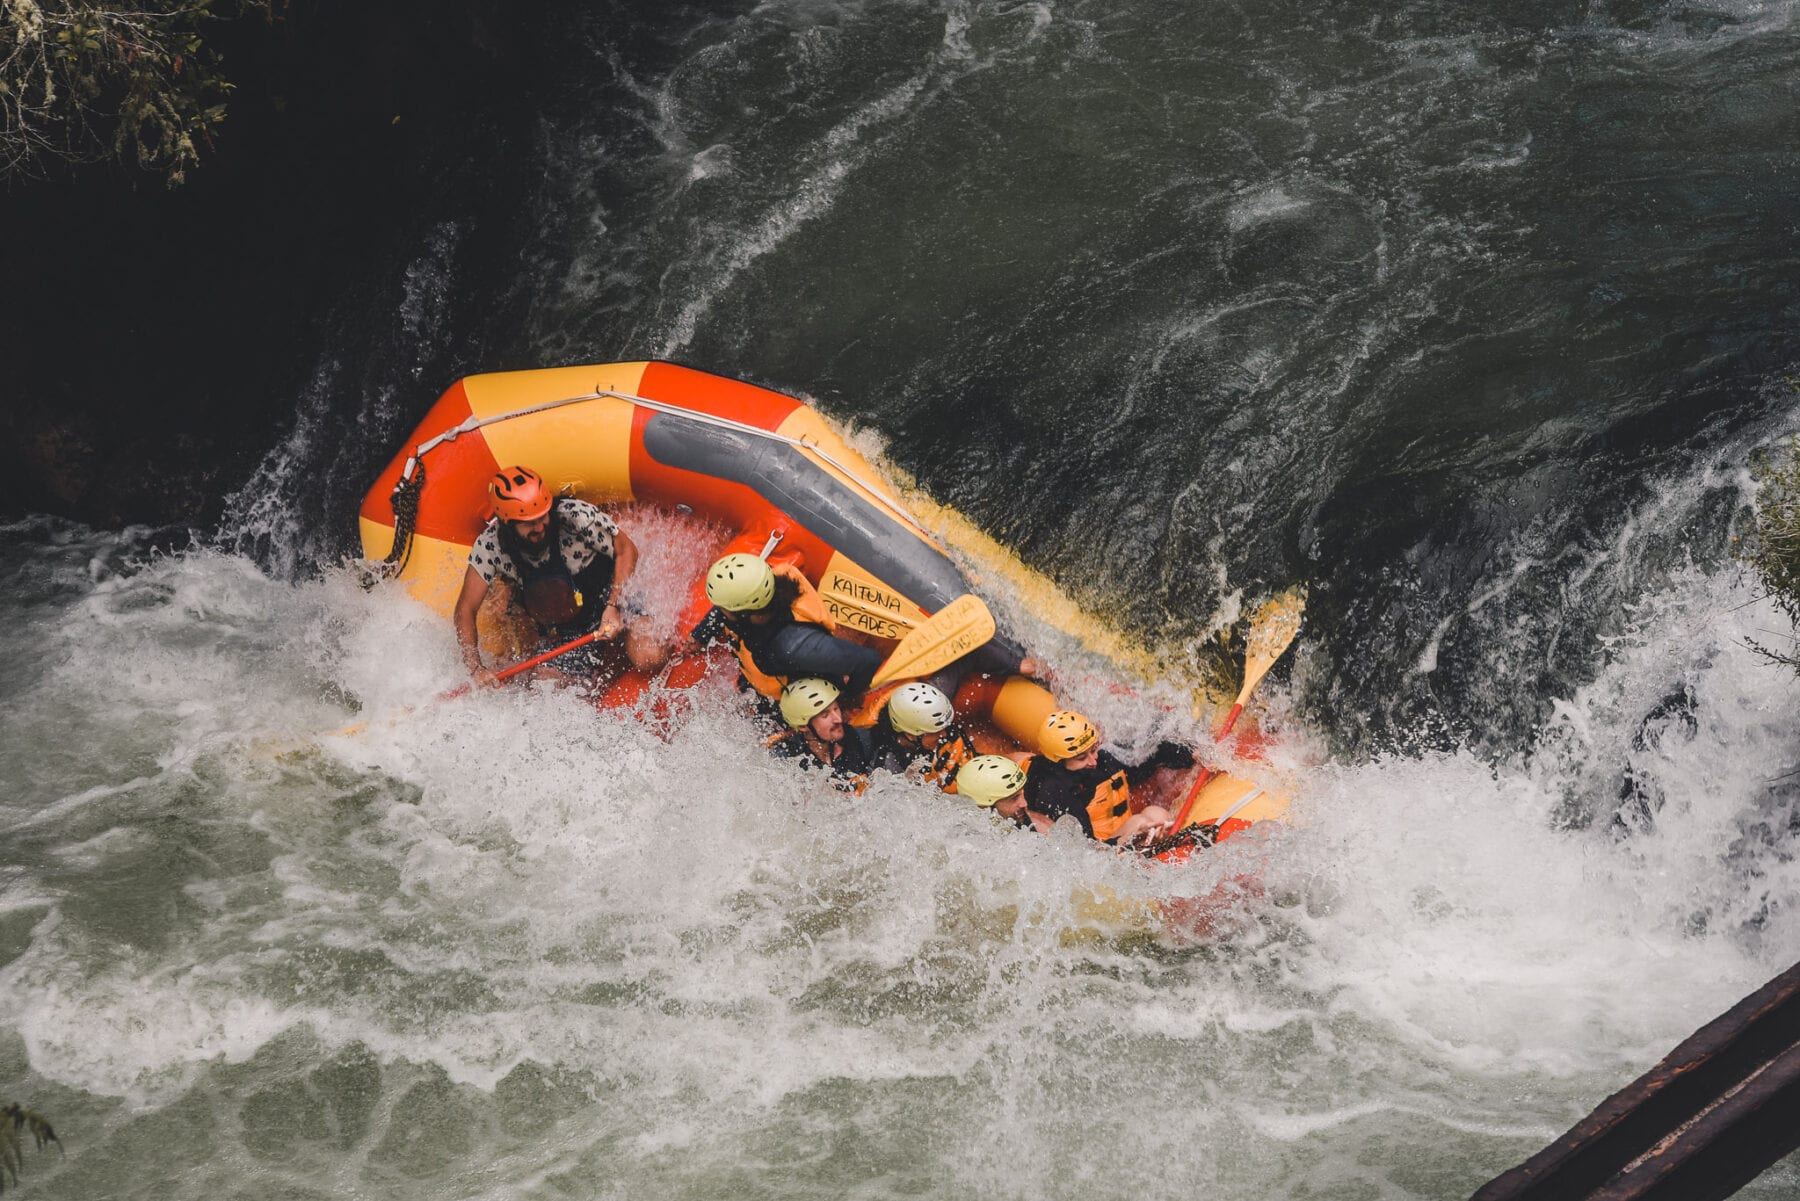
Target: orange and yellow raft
755,461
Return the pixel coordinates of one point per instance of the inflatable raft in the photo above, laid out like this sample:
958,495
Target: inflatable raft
756,462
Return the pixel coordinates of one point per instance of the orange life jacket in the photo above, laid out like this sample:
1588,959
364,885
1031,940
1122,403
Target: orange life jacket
936,756
1110,806
868,710
808,606
953,749
768,685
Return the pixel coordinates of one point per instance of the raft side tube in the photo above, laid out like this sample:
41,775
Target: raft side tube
743,456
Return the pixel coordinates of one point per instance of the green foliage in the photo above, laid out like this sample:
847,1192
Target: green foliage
83,80
13,1118
1772,549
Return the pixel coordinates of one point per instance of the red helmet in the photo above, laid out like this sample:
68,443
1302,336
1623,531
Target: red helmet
519,494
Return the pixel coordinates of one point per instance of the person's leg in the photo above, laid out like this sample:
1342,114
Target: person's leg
807,650
646,651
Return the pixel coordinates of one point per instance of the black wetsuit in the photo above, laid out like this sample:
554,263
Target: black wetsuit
938,764
854,762
1054,790
800,650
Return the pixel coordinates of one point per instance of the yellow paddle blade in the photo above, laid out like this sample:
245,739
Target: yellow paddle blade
1273,628
941,639
866,605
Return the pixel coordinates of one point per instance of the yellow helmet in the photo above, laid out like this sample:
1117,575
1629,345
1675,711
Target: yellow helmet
989,779
919,709
1066,734
740,583
803,700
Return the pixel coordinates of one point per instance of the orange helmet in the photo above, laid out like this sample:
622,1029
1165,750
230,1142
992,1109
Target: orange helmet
1065,735
519,494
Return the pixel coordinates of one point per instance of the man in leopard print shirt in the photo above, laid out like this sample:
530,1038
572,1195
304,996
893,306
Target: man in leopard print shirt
566,563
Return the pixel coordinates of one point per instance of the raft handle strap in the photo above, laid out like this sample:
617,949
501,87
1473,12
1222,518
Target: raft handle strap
473,423
1232,812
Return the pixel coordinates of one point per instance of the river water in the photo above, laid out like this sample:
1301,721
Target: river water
1471,321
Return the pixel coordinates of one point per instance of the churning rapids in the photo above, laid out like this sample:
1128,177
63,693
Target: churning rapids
1470,321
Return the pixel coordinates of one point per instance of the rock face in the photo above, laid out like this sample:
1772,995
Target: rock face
154,341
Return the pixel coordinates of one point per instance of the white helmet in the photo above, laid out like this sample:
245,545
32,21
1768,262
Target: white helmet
803,700
919,709
989,779
740,583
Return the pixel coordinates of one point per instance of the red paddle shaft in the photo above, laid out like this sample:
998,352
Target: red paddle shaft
527,665
1193,795
1231,720
1206,773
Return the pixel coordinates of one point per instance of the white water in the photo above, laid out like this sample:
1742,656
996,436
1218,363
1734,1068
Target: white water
507,946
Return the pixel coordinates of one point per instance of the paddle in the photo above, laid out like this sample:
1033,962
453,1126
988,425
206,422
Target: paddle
506,673
867,608
1272,630
944,637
